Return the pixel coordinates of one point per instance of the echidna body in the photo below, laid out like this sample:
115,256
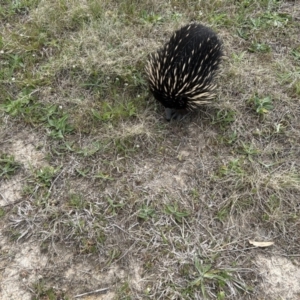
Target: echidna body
180,74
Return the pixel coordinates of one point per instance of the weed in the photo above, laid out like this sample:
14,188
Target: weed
108,112
275,19
83,173
45,175
113,255
146,212
89,151
124,146
229,138
103,176
273,203
56,121
238,57
223,213
259,47
113,206
59,126
41,291
51,116
233,167
296,88
17,7
205,273
248,149
224,118
296,54
124,292
176,213
221,19
261,105
76,201
151,17
8,165
16,107
88,246
194,193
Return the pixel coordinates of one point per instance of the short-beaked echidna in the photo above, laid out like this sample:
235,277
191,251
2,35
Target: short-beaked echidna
180,73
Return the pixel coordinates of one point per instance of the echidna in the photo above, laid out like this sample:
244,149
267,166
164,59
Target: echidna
180,74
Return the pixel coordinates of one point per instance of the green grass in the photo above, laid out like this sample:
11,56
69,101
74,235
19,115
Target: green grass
8,166
109,192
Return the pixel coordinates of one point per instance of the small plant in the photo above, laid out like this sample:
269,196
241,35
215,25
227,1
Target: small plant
233,167
113,206
174,211
88,246
238,57
88,151
113,255
221,19
296,53
261,105
276,19
223,213
83,172
255,23
42,291
273,203
45,175
229,138
248,149
125,145
296,88
15,107
8,165
146,212
206,274
76,201
110,112
266,20
103,176
258,47
59,126
124,291
151,17
34,112
224,118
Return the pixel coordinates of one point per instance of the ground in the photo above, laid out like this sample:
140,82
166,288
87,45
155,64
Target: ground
102,198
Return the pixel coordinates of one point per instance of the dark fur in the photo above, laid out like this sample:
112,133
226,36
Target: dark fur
180,74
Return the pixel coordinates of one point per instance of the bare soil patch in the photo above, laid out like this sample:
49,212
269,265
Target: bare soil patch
280,277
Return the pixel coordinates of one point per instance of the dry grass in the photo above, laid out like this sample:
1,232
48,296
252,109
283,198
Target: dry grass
99,192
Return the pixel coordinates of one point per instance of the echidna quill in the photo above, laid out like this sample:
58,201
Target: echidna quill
180,74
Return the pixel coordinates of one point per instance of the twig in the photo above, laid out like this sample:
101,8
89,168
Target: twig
92,292
3,197
291,255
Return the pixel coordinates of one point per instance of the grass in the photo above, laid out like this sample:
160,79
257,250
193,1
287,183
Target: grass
111,188
8,165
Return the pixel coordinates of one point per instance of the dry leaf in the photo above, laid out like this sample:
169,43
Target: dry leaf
261,244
